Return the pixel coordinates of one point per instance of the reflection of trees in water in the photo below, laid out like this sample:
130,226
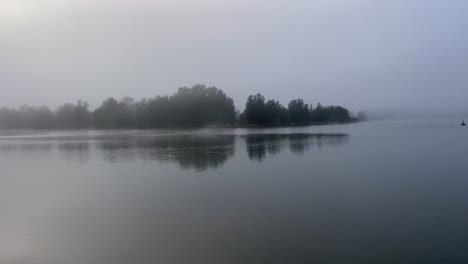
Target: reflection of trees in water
189,152
78,151
118,150
259,145
299,143
26,147
197,152
202,152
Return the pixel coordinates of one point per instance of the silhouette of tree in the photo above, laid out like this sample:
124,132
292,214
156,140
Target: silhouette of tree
113,114
73,116
272,113
43,118
299,112
330,114
189,107
276,113
259,112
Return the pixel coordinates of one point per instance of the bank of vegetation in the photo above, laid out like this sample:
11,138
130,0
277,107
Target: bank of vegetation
189,107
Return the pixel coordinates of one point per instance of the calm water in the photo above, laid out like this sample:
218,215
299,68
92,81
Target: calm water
393,192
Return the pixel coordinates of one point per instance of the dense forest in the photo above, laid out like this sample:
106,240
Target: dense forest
189,107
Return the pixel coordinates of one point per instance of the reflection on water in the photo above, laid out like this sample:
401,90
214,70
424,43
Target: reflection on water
189,152
259,145
78,151
386,194
195,152
26,147
208,152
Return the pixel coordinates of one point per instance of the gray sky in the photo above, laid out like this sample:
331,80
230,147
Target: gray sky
363,54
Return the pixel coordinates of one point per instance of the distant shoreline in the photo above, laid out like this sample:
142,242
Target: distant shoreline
182,127
196,107
306,125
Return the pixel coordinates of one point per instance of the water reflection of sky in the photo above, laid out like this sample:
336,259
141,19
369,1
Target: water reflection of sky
396,191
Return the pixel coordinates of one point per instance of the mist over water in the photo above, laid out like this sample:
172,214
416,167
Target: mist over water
179,131
376,192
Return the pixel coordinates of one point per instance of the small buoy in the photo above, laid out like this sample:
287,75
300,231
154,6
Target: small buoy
463,123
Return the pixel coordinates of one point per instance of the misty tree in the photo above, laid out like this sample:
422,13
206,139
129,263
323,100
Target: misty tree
73,115
277,114
318,114
259,112
299,113
113,114
127,100
330,114
189,107
43,118
255,110
27,117
201,105
338,114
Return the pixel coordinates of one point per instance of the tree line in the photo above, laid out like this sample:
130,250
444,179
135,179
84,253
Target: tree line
197,106
259,111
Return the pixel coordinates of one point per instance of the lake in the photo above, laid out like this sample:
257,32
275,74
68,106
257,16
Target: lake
374,192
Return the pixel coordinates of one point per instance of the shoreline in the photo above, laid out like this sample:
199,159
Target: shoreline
182,128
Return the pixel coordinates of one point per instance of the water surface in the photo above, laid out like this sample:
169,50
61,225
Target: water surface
361,193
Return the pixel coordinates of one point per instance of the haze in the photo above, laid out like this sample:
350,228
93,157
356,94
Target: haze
358,53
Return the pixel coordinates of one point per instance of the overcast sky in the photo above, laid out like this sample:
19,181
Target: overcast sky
363,54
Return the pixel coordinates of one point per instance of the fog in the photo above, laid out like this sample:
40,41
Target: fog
363,54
